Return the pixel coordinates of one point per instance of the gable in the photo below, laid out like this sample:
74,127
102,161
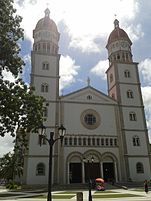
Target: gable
88,95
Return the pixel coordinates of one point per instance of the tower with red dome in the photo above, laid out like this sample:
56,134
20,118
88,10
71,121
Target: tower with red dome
45,79
124,87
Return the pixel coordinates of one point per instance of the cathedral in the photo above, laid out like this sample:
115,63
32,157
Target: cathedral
106,134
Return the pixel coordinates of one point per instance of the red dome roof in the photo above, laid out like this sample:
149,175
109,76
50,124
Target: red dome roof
46,23
117,34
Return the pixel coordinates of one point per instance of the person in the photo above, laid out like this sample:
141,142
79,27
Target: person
146,186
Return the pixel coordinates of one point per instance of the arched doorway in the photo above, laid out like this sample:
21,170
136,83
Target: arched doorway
108,171
108,167
92,171
75,172
74,168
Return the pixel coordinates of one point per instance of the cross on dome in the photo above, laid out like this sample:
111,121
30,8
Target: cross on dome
116,23
47,12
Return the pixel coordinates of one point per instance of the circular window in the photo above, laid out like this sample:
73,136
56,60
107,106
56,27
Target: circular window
90,119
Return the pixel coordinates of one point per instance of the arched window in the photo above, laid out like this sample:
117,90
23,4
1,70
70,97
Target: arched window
132,116
130,94
113,95
45,112
45,65
127,73
111,77
136,141
48,47
38,46
89,97
139,168
44,47
44,87
40,169
65,141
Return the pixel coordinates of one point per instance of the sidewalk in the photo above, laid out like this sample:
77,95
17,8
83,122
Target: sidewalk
145,197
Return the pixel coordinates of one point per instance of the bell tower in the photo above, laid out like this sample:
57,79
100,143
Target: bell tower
124,87
45,79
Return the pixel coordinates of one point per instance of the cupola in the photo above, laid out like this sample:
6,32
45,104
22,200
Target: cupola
46,35
119,45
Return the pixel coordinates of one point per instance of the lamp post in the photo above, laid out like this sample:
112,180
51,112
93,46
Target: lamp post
89,178
51,141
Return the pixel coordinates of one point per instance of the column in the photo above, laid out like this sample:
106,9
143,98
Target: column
115,170
101,168
83,172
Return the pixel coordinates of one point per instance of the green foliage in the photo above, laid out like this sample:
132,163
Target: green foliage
11,165
12,185
20,109
10,33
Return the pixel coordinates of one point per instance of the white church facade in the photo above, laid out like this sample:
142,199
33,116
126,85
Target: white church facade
110,129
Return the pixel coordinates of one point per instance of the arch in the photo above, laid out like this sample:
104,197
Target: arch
132,116
45,65
111,77
127,73
73,154
130,94
74,169
139,167
76,165
44,87
97,156
40,169
109,155
45,112
136,140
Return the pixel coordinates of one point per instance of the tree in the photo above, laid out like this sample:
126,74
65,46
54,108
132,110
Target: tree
11,165
20,109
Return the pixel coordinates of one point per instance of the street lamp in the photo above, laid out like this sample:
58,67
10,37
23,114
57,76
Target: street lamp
51,141
89,178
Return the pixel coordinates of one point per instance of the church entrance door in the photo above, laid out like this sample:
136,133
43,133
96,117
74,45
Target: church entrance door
92,171
75,172
108,171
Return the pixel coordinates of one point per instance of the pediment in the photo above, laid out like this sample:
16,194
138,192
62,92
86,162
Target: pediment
88,95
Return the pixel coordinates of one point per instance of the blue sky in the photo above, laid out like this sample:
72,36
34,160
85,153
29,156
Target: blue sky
84,28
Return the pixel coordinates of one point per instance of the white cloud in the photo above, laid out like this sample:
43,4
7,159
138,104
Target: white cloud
145,70
100,69
8,76
146,93
85,20
6,144
135,32
68,71
85,43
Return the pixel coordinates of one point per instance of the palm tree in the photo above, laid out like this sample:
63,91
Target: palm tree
11,165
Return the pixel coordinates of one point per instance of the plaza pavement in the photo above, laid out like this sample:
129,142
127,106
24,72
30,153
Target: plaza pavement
145,197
